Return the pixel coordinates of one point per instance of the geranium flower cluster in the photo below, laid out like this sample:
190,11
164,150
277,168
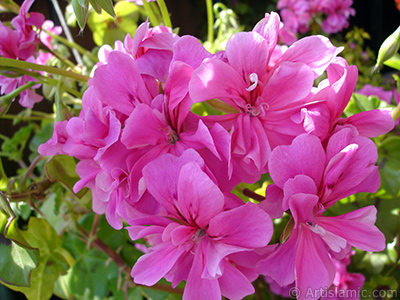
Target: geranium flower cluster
169,173
21,43
298,16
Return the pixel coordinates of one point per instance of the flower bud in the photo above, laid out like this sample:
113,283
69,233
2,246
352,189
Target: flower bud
389,48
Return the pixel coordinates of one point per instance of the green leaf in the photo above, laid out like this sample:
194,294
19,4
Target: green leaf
96,7
81,11
89,278
107,5
62,168
389,162
17,257
17,262
41,235
13,147
388,218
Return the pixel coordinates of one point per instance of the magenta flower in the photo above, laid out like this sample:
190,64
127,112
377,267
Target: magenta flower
260,101
310,180
197,234
369,90
304,258
323,118
151,48
338,13
345,285
21,43
45,38
347,167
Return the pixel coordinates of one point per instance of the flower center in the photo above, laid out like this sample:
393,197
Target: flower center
198,235
170,135
254,80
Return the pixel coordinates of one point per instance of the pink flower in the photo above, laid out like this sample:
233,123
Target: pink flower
345,285
323,118
45,38
369,90
260,101
20,43
151,48
310,179
198,235
303,258
346,167
338,13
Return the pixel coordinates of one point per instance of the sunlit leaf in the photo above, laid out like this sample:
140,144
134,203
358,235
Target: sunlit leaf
81,11
62,168
41,235
107,5
17,257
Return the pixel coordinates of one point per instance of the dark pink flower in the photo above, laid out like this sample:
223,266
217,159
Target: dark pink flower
197,234
261,100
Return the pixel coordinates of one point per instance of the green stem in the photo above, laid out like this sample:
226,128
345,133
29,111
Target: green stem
32,118
45,80
210,21
8,62
164,13
9,6
9,97
61,58
150,13
74,45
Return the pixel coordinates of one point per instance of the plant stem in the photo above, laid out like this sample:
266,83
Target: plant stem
8,62
249,193
29,172
164,13
210,21
9,97
12,117
66,31
150,13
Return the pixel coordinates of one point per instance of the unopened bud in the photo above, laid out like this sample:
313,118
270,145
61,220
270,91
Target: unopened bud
389,48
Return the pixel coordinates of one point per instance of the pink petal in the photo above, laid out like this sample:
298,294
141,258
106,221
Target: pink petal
198,288
198,197
143,128
290,83
151,267
280,265
190,51
120,79
299,184
304,156
216,79
255,228
273,201
314,268
357,227
248,52
315,51
233,284
161,176
372,123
